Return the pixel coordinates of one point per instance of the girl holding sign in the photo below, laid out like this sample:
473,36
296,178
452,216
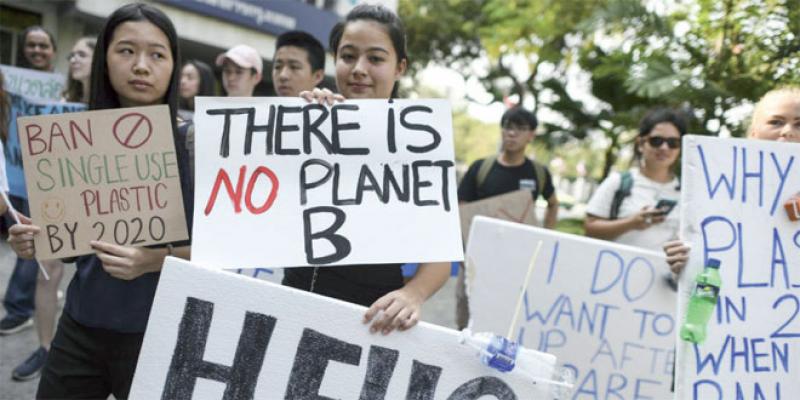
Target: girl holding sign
100,333
775,117
46,297
369,49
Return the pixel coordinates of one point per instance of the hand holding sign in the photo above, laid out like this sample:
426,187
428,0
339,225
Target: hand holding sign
128,263
20,237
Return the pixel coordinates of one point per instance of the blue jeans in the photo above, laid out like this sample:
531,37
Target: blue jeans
22,285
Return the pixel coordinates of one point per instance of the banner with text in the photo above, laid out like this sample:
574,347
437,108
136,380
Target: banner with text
20,107
34,85
517,206
214,335
605,310
733,197
107,175
281,182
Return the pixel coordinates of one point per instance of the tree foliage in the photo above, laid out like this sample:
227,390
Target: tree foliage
708,57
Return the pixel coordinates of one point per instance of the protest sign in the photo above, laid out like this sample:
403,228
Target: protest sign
36,86
733,195
214,335
19,107
604,309
107,175
281,182
517,206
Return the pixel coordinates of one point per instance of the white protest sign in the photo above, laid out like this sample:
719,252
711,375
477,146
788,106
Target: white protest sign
733,196
32,84
281,182
604,309
214,335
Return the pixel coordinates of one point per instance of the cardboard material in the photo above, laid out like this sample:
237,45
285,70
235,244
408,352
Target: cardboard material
214,334
604,309
517,206
107,175
733,192
281,182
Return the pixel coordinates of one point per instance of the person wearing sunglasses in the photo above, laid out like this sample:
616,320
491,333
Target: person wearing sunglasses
639,207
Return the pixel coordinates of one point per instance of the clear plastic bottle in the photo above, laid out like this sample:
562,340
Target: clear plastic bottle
702,303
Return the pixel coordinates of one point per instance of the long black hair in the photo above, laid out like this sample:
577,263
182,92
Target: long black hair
102,95
22,61
208,83
382,15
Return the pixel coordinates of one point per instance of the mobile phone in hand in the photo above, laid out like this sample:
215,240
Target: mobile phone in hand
666,206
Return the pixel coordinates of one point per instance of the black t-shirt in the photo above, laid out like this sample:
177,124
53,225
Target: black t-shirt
359,284
501,180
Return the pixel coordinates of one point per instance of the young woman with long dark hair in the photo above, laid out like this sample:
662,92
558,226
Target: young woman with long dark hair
99,335
369,49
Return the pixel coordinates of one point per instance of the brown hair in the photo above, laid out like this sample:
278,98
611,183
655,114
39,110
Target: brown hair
74,92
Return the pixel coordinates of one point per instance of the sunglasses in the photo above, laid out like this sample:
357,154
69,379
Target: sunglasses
657,141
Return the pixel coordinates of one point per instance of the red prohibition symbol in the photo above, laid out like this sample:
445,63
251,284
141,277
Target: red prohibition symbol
135,132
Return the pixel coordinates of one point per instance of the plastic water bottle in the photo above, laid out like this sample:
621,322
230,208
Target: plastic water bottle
504,355
701,305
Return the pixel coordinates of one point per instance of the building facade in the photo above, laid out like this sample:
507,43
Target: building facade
206,27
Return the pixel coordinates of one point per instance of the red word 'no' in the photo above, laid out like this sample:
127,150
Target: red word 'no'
236,194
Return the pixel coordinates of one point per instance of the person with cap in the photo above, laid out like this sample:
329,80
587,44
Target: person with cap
298,64
241,70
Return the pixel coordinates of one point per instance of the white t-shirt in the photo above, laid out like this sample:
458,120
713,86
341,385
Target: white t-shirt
645,192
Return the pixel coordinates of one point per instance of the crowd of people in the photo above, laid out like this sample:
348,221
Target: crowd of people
135,60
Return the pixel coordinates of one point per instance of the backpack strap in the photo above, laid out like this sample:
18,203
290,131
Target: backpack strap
624,190
541,175
486,166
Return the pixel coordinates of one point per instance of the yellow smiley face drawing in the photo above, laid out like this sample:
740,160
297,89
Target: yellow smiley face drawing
53,209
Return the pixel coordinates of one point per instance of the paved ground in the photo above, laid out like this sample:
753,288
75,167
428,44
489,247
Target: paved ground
15,348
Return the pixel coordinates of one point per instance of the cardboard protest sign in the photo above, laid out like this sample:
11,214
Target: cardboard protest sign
34,85
604,309
733,195
517,206
214,335
19,107
281,182
107,175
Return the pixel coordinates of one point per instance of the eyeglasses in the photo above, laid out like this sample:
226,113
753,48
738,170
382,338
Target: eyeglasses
657,141
79,54
516,128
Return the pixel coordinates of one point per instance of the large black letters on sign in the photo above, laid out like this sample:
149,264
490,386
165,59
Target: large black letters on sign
311,360
187,361
340,243
483,386
380,368
424,378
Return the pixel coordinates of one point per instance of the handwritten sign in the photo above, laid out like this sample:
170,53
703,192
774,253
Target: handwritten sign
604,309
281,182
34,85
734,191
214,335
102,175
517,206
19,107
